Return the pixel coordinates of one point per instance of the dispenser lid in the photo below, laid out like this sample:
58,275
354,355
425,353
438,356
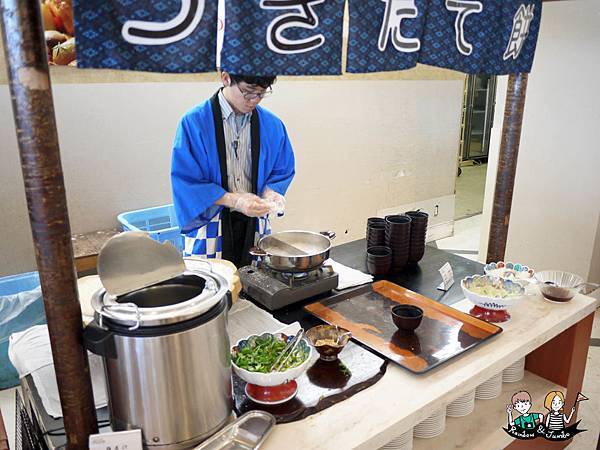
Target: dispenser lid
132,260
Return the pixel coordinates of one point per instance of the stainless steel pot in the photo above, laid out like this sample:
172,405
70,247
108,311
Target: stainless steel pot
294,251
166,355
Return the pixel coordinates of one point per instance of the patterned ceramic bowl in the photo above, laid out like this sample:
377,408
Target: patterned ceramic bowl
509,270
329,340
271,378
491,292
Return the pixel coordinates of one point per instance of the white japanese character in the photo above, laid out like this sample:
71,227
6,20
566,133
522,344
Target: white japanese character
395,11
520,31
305,17
463,8
139,32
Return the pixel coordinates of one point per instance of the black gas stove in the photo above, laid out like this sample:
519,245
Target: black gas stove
274,289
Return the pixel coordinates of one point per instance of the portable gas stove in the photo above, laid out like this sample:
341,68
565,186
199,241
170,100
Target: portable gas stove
274,289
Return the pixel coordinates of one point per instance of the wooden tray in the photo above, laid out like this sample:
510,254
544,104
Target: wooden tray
443,334
324,384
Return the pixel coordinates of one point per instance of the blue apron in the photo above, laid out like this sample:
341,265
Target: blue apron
207,241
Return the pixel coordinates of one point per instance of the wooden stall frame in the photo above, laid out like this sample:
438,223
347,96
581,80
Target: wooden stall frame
37,136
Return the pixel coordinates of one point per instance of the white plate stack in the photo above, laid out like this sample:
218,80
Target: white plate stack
515,372
433,426
489,389
462,406
402,442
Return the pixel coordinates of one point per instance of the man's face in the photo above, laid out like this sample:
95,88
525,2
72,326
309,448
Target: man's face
523,407
243,96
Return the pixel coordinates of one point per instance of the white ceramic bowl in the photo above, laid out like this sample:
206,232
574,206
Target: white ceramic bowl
271,378
516,291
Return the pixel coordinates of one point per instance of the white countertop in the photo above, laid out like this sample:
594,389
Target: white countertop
401,399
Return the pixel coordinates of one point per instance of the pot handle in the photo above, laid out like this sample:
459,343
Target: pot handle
99,341
255,251
329,234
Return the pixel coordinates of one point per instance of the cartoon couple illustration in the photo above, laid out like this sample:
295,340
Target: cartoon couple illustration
554,402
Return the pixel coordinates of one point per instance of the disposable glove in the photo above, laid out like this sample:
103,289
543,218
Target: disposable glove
276,201
249,204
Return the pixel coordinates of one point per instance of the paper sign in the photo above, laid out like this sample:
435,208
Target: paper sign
447,277
118,440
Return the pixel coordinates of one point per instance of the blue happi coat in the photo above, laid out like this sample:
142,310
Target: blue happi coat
196,175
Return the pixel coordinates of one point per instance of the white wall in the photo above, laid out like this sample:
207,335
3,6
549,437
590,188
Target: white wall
556,204
361,146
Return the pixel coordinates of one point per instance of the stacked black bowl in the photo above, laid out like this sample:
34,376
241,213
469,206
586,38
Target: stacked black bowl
375,232
379,260
397,237
418,233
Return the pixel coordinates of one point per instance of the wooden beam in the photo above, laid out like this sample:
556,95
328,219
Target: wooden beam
507,166
35,123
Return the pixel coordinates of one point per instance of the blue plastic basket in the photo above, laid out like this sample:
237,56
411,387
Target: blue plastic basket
159,222
32,315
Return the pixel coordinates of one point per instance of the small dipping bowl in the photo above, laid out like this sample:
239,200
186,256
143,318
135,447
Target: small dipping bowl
558,286
328,340
407,317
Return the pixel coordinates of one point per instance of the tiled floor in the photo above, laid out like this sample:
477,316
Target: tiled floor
465,241
470,186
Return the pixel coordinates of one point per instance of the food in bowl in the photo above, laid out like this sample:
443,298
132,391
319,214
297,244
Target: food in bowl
329,340
256,354
263,353
491,292
496,288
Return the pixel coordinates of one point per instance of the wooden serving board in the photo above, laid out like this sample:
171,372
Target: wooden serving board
323,385
443,334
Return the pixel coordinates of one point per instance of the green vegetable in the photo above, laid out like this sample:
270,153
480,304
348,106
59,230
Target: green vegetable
262,353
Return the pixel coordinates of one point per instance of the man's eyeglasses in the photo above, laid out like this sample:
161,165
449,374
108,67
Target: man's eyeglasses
250,96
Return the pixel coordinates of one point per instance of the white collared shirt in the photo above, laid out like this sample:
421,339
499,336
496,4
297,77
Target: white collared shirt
236,128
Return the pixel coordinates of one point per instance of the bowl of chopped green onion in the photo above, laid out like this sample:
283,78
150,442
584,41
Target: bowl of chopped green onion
253,358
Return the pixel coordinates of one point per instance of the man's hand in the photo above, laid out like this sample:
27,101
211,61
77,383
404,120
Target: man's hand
250,205
509,408
275,200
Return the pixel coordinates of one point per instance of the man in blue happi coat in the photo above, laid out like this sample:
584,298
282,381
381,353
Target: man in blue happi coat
231,167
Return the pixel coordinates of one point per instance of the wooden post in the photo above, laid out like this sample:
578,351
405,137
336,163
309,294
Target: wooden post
33,111
507,165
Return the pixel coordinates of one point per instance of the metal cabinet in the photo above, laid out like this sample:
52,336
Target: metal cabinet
477,116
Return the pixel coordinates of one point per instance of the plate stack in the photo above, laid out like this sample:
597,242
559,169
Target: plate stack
397,237
515,372
462,406
418,233
489,389
433,426
402,442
